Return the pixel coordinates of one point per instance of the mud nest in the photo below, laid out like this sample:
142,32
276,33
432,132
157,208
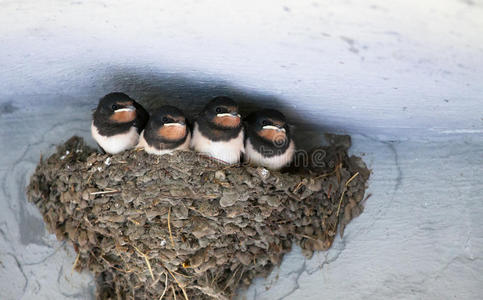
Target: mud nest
186,227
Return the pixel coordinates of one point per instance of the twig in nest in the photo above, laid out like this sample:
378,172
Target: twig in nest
165,286
337,170
180,170
146,258
298,187
222,183
215,278
134,221
180,274
156,281
367,197
227,167
174,292
324,175
292,195
108,262
228,282
340,202
90,176
308,237
179,284
169,227
111,265
89,224
110,191
240,277
352,178
343,191
75,262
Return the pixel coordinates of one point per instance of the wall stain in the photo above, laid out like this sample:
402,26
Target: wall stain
7,108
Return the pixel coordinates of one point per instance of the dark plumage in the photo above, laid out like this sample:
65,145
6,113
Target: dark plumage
117,122
218,131
166,131
268,139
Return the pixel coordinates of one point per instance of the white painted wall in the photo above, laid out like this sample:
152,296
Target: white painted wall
405,77
392,68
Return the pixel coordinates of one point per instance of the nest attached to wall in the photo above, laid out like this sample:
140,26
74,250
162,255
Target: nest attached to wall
184,226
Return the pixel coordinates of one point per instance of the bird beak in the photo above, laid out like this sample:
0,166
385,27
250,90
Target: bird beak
127,108
175,124
272,127
233,115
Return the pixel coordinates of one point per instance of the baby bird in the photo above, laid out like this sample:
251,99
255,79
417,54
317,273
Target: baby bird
117,122
165,132
218,131
268,143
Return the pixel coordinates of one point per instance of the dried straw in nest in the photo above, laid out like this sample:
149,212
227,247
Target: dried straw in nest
184,226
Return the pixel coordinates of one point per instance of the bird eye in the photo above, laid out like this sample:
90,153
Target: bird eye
265,123
114,107
218,110
165,120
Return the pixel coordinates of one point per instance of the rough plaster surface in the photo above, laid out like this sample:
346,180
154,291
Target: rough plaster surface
403,77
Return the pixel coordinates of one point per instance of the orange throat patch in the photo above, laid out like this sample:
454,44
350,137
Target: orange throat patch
275,136
172,133
227,121
124,116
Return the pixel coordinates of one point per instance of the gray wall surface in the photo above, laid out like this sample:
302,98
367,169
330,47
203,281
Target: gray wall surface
404,78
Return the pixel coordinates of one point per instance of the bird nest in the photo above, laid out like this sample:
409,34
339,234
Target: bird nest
185,226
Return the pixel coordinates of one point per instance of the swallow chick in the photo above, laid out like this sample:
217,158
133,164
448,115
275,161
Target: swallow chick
268,143
166,131
117,122
218,131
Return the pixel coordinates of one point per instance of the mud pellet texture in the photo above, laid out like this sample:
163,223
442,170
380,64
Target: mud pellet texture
183,224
